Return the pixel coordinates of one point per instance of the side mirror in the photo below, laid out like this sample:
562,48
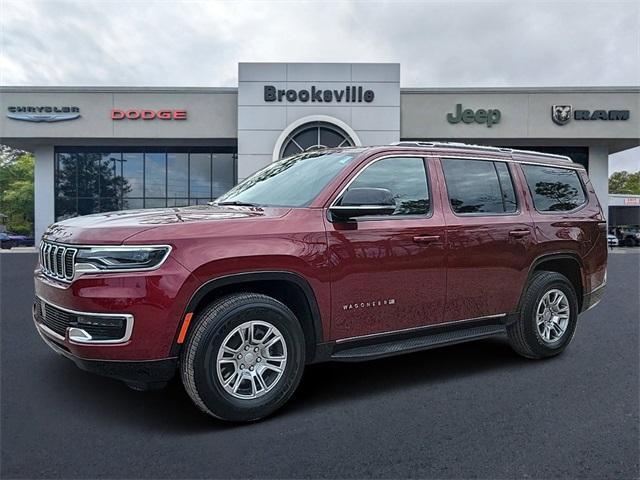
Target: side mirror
360,202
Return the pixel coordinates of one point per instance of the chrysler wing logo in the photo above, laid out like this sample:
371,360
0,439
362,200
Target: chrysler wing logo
561,114
46,114
36,117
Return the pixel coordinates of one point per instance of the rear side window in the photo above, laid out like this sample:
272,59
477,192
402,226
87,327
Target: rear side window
554,189
479,186
404,177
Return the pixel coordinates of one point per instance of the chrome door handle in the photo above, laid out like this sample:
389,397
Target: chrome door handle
519,233
426,238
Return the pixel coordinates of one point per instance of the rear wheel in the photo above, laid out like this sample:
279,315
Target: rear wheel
547,318
629,242
244,358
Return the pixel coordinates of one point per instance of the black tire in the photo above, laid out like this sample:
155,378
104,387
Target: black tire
629,242
199,356
524,336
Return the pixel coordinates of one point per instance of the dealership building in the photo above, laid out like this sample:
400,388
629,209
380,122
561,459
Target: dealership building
103,148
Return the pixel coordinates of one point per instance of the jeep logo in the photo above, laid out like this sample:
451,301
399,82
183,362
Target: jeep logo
489,117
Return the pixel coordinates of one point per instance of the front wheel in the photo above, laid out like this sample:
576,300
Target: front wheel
244,358
548,317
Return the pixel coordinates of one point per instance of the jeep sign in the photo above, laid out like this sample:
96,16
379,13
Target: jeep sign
488,117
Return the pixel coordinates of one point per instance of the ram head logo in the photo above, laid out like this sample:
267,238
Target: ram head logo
561,114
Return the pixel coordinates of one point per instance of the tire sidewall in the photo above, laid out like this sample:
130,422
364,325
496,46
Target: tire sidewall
211,391
534,340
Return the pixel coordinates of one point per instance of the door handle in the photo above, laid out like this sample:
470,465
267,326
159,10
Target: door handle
426,238
519,233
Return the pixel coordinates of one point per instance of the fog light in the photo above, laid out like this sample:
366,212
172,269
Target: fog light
97,328
117,322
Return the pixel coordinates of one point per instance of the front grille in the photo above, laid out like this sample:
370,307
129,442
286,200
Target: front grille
57,261
54,318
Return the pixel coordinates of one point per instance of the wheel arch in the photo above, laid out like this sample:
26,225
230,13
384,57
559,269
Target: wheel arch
568,264
288,287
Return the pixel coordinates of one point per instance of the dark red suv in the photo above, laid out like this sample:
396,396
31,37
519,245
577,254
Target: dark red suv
344,255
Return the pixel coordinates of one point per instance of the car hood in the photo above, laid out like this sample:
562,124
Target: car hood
113,228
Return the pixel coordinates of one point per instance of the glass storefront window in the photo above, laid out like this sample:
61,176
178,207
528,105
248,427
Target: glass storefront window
133,172
224,166
200,175
93,179
177,176
155,175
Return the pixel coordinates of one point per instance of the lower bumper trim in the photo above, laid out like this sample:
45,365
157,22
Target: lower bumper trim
129,371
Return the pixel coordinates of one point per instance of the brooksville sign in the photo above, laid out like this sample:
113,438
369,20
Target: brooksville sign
350,94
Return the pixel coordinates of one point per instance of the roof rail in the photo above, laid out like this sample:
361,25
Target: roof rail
450,144
480,147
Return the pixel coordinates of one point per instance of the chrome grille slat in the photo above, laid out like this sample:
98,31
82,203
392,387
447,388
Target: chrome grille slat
57,261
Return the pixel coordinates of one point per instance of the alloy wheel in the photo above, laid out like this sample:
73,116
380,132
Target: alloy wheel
251,360
552,316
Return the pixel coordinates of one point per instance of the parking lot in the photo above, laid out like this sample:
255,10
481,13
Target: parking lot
469,411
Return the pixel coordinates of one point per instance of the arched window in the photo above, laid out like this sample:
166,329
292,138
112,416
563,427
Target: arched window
313,136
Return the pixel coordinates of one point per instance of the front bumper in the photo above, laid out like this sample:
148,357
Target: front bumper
135,372
152,302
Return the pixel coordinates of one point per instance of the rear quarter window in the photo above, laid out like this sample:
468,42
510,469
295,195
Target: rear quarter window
554,189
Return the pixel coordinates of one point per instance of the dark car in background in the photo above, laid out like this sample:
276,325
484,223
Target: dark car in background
21,240
628,235
6,242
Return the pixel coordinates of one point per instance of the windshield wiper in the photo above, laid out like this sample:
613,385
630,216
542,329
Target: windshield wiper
239,204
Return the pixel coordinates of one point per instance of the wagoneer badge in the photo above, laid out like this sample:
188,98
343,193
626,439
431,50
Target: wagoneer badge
375,303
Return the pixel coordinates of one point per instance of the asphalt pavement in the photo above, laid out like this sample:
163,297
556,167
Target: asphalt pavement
469,411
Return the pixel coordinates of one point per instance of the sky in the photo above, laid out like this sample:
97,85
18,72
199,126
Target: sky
438,43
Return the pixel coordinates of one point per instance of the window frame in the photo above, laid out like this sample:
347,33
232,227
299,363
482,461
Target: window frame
377,218
585,193
508,163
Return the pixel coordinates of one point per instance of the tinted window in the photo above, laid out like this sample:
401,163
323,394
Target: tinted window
405,178
554,189
478,186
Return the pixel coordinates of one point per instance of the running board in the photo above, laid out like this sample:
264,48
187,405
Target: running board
414,344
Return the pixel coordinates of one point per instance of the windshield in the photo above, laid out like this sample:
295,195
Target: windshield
291,182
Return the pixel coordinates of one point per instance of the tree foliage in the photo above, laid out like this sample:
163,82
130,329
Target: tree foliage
16,189
625,182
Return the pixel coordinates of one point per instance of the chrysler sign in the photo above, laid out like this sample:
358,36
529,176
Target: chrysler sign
43,113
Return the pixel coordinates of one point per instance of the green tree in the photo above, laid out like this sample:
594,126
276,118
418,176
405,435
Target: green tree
625,182
16,189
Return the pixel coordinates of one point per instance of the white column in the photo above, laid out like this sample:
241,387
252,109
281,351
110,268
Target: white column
599,174
44,198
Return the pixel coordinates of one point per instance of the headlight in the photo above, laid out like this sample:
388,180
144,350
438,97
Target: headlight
98,259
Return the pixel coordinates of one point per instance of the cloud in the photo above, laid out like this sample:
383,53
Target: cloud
439,44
